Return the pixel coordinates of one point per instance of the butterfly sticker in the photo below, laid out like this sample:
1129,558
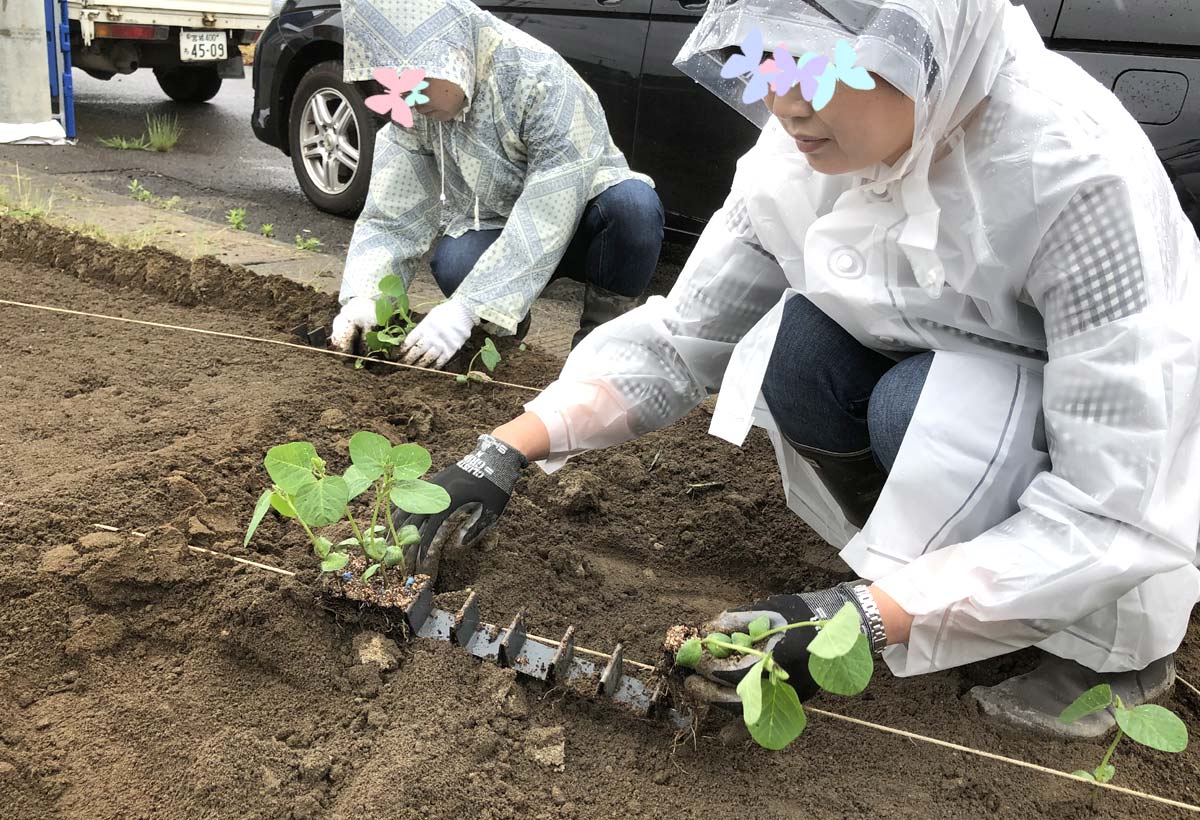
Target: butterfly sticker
804,72
844,70
391,100
750,61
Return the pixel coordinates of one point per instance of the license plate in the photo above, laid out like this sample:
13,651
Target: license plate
202,45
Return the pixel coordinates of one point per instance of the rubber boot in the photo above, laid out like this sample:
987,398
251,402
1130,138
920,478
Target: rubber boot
1034,701
853,479
600,306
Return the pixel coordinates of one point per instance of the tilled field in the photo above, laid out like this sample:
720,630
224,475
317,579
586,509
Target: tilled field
144,681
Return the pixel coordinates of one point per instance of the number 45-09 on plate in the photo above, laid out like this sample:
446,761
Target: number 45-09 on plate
202,45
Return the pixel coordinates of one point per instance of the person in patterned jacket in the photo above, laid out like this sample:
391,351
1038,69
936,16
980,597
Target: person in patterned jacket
510,163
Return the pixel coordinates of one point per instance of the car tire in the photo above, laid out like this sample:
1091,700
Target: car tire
189,84
346,123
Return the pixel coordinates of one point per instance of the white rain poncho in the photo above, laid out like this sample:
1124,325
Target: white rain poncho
527,154
1048,489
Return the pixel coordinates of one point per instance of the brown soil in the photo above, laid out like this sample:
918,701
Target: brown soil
141,680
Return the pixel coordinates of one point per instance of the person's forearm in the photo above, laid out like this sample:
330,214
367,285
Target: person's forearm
527,433
896,622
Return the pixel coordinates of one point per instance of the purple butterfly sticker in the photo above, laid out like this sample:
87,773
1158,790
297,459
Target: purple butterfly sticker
750,61
805,72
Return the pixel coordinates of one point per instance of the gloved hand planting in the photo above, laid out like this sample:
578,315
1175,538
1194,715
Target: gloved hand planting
440,335
356,317
772,655
479,486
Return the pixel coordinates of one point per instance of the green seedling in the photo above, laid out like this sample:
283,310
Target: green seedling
267,230
163,131
489,355
839,660
236,217
392,316
310,244
1148,724
303,489
139,192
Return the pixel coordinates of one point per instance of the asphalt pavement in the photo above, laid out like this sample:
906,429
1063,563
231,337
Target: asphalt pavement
217,165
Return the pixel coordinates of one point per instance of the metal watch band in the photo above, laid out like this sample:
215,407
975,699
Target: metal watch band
871,617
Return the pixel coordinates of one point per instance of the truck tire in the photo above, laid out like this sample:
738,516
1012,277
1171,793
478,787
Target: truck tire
331,137
189,84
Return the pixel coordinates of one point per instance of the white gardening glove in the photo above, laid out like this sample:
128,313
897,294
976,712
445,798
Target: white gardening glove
440,335
356,317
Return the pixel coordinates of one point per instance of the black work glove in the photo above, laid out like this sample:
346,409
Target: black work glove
718,677
479,487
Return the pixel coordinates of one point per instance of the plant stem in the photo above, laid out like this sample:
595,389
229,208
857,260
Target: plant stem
736,647
387,506
354,526
1112,746
375,507
307,529
786,627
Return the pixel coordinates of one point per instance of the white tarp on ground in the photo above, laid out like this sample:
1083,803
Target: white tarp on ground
25,113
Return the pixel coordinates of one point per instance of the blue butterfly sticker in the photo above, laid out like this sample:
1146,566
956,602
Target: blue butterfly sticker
842,69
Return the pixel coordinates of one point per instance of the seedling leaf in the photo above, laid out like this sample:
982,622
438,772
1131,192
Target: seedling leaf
758,627
419,497
322,502
1152,725
782,719
357,481
408,461
847,674
392,285
260,509
290,466
409,535
383,311
489,355
1105,773
322,547
334,562
1091,701
750,689
369,571
283,506
369,452
741,639
1084,774
374,549
838,635
392,556
718,652
689,653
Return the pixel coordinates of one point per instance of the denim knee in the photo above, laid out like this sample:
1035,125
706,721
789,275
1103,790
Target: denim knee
819,380
893,403
454,258
630,217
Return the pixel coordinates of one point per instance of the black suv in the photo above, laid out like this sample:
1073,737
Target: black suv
668,126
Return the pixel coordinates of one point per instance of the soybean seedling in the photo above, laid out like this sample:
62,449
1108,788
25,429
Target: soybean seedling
839,660
1148,724
489,355
236,217
392,316
304,490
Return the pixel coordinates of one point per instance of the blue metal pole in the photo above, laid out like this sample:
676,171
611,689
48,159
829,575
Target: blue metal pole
52,47
67,103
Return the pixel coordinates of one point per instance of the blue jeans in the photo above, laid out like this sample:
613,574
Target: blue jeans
616,245
826,391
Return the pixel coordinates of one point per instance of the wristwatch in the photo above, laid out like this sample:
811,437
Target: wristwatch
869,610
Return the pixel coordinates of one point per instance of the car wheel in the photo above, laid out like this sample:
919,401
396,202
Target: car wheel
331,133
189,84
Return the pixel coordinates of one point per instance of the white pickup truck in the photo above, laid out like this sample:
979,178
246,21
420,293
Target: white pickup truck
191,45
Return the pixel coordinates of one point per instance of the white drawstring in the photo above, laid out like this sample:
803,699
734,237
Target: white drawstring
442,162
476,211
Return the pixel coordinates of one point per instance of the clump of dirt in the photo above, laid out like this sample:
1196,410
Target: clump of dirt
144,680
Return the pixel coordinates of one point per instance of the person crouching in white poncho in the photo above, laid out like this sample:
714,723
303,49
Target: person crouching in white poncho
963,304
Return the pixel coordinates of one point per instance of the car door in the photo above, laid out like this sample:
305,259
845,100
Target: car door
603,40
687,139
